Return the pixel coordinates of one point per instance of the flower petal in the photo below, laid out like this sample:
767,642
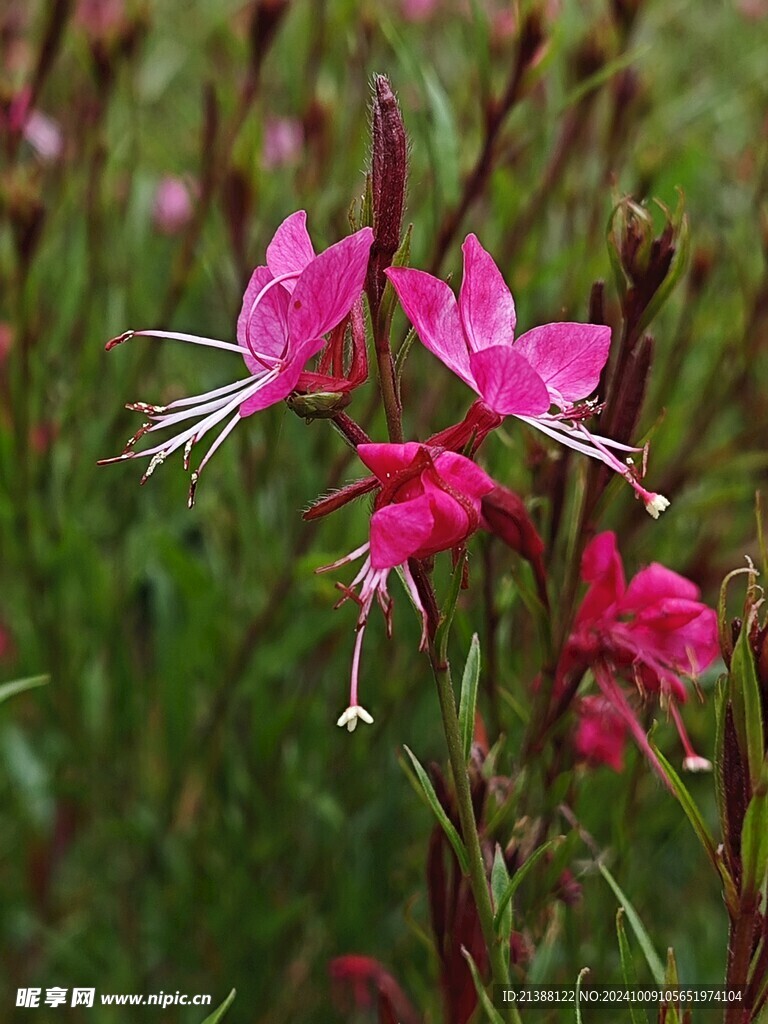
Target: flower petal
329,286
486,307
568,357
464,475
291,249
431,307
286,380
601,566
452,524
398,531
654,583
508,383
267,323
384,459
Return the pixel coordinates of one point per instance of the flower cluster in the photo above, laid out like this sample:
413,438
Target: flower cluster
649,632
432,496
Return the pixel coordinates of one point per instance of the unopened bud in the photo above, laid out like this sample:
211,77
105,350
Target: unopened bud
505,515
323,405
646,265
389,166
265,21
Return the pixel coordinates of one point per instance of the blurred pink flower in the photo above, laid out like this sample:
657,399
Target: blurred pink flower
557,364
288,307
172,206
100,18
418,10
600,734
42,133
653,630
283,142
430,501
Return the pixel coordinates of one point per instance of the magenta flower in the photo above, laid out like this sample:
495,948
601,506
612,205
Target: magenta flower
288,307
557,364
653,631
429,501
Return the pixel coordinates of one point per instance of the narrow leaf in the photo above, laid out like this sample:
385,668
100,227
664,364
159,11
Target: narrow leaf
519,877
581,975
492,1013
747,708
437,808
218,1014
644,940
499,885
20,685
637,1013
688,804
468,699
449,610
754,843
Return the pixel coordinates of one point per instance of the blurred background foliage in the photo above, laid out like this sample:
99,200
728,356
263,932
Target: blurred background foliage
177,808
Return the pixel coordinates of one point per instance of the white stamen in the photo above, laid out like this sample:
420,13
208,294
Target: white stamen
657,504
697,764
351,715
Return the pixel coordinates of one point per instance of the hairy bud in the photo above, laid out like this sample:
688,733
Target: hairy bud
389,165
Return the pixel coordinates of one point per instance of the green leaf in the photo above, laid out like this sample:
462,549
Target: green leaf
746,704
637,1014
754,841
402,353
20,685
468,699
437,808
689,806
723,625
449,610
519,877
402,258
644,940
499,885
671,980
492,1013
218,1013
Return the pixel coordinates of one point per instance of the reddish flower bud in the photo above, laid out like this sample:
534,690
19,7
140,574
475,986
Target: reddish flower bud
505,514
389,167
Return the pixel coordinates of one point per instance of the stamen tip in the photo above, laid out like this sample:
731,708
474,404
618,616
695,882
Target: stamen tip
656,504
351,715
114,342
694,763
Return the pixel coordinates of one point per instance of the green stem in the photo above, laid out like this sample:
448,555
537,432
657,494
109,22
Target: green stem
477,875
387,378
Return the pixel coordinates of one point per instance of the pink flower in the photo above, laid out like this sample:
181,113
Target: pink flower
362,975
600,734
42,133
419,10
172,206
288,307
283,142
557,364
653,630
430,501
